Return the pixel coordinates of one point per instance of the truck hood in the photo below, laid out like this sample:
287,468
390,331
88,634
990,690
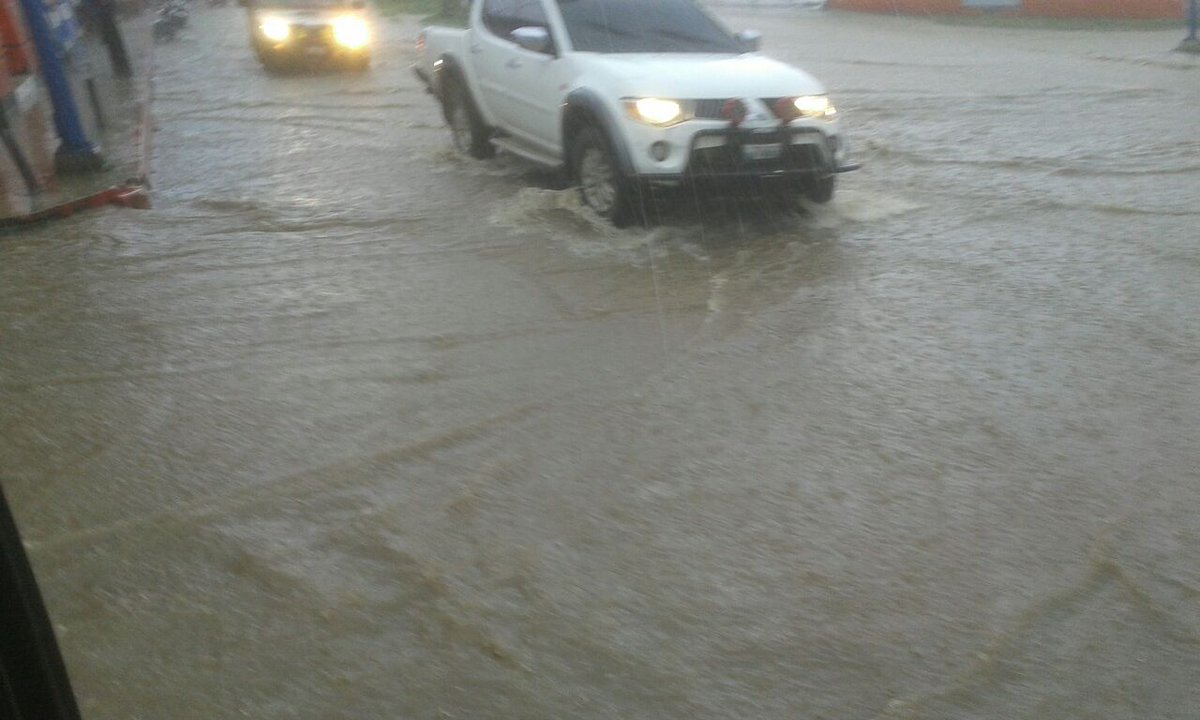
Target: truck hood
698,76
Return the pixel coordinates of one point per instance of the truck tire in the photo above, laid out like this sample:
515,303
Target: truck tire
273,64
467,130
819,189
598,178
357,63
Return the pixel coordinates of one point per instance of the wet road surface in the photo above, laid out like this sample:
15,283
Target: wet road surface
349,427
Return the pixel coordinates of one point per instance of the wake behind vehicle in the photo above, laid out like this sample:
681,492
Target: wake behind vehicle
628,94
288,34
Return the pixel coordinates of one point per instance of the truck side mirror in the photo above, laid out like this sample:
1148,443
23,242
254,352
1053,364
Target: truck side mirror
751,40
534,38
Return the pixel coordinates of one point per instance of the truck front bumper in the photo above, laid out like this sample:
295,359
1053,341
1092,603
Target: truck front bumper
722,151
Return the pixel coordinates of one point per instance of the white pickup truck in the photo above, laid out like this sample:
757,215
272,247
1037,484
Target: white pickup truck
626,94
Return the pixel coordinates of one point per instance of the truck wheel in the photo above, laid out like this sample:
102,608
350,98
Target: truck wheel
595,173
357,63
819,189
467,130
273,65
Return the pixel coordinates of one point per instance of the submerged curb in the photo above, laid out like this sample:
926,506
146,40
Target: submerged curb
131,195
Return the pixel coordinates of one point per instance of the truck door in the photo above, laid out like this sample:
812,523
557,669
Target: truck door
522,87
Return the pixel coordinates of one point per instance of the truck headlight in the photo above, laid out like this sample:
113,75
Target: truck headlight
814,106
275,29
658,111
351,32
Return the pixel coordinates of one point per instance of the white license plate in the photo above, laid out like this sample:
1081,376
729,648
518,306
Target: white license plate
314,50
762,152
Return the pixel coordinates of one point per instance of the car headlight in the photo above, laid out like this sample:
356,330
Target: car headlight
351,32
275,29
658,111
814,106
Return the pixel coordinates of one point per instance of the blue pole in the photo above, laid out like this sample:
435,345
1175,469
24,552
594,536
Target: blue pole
1190,43
76,151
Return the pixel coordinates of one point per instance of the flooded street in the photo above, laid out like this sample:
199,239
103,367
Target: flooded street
349,427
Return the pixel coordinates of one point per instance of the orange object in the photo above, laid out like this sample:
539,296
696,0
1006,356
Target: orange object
18,50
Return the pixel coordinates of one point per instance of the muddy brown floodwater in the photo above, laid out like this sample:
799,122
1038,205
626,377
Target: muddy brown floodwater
349,427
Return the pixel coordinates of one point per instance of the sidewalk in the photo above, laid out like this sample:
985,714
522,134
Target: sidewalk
116,115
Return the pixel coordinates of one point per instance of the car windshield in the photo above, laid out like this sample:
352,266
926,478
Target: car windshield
625,26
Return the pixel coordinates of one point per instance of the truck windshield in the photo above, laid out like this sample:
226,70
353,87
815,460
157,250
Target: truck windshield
643,26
